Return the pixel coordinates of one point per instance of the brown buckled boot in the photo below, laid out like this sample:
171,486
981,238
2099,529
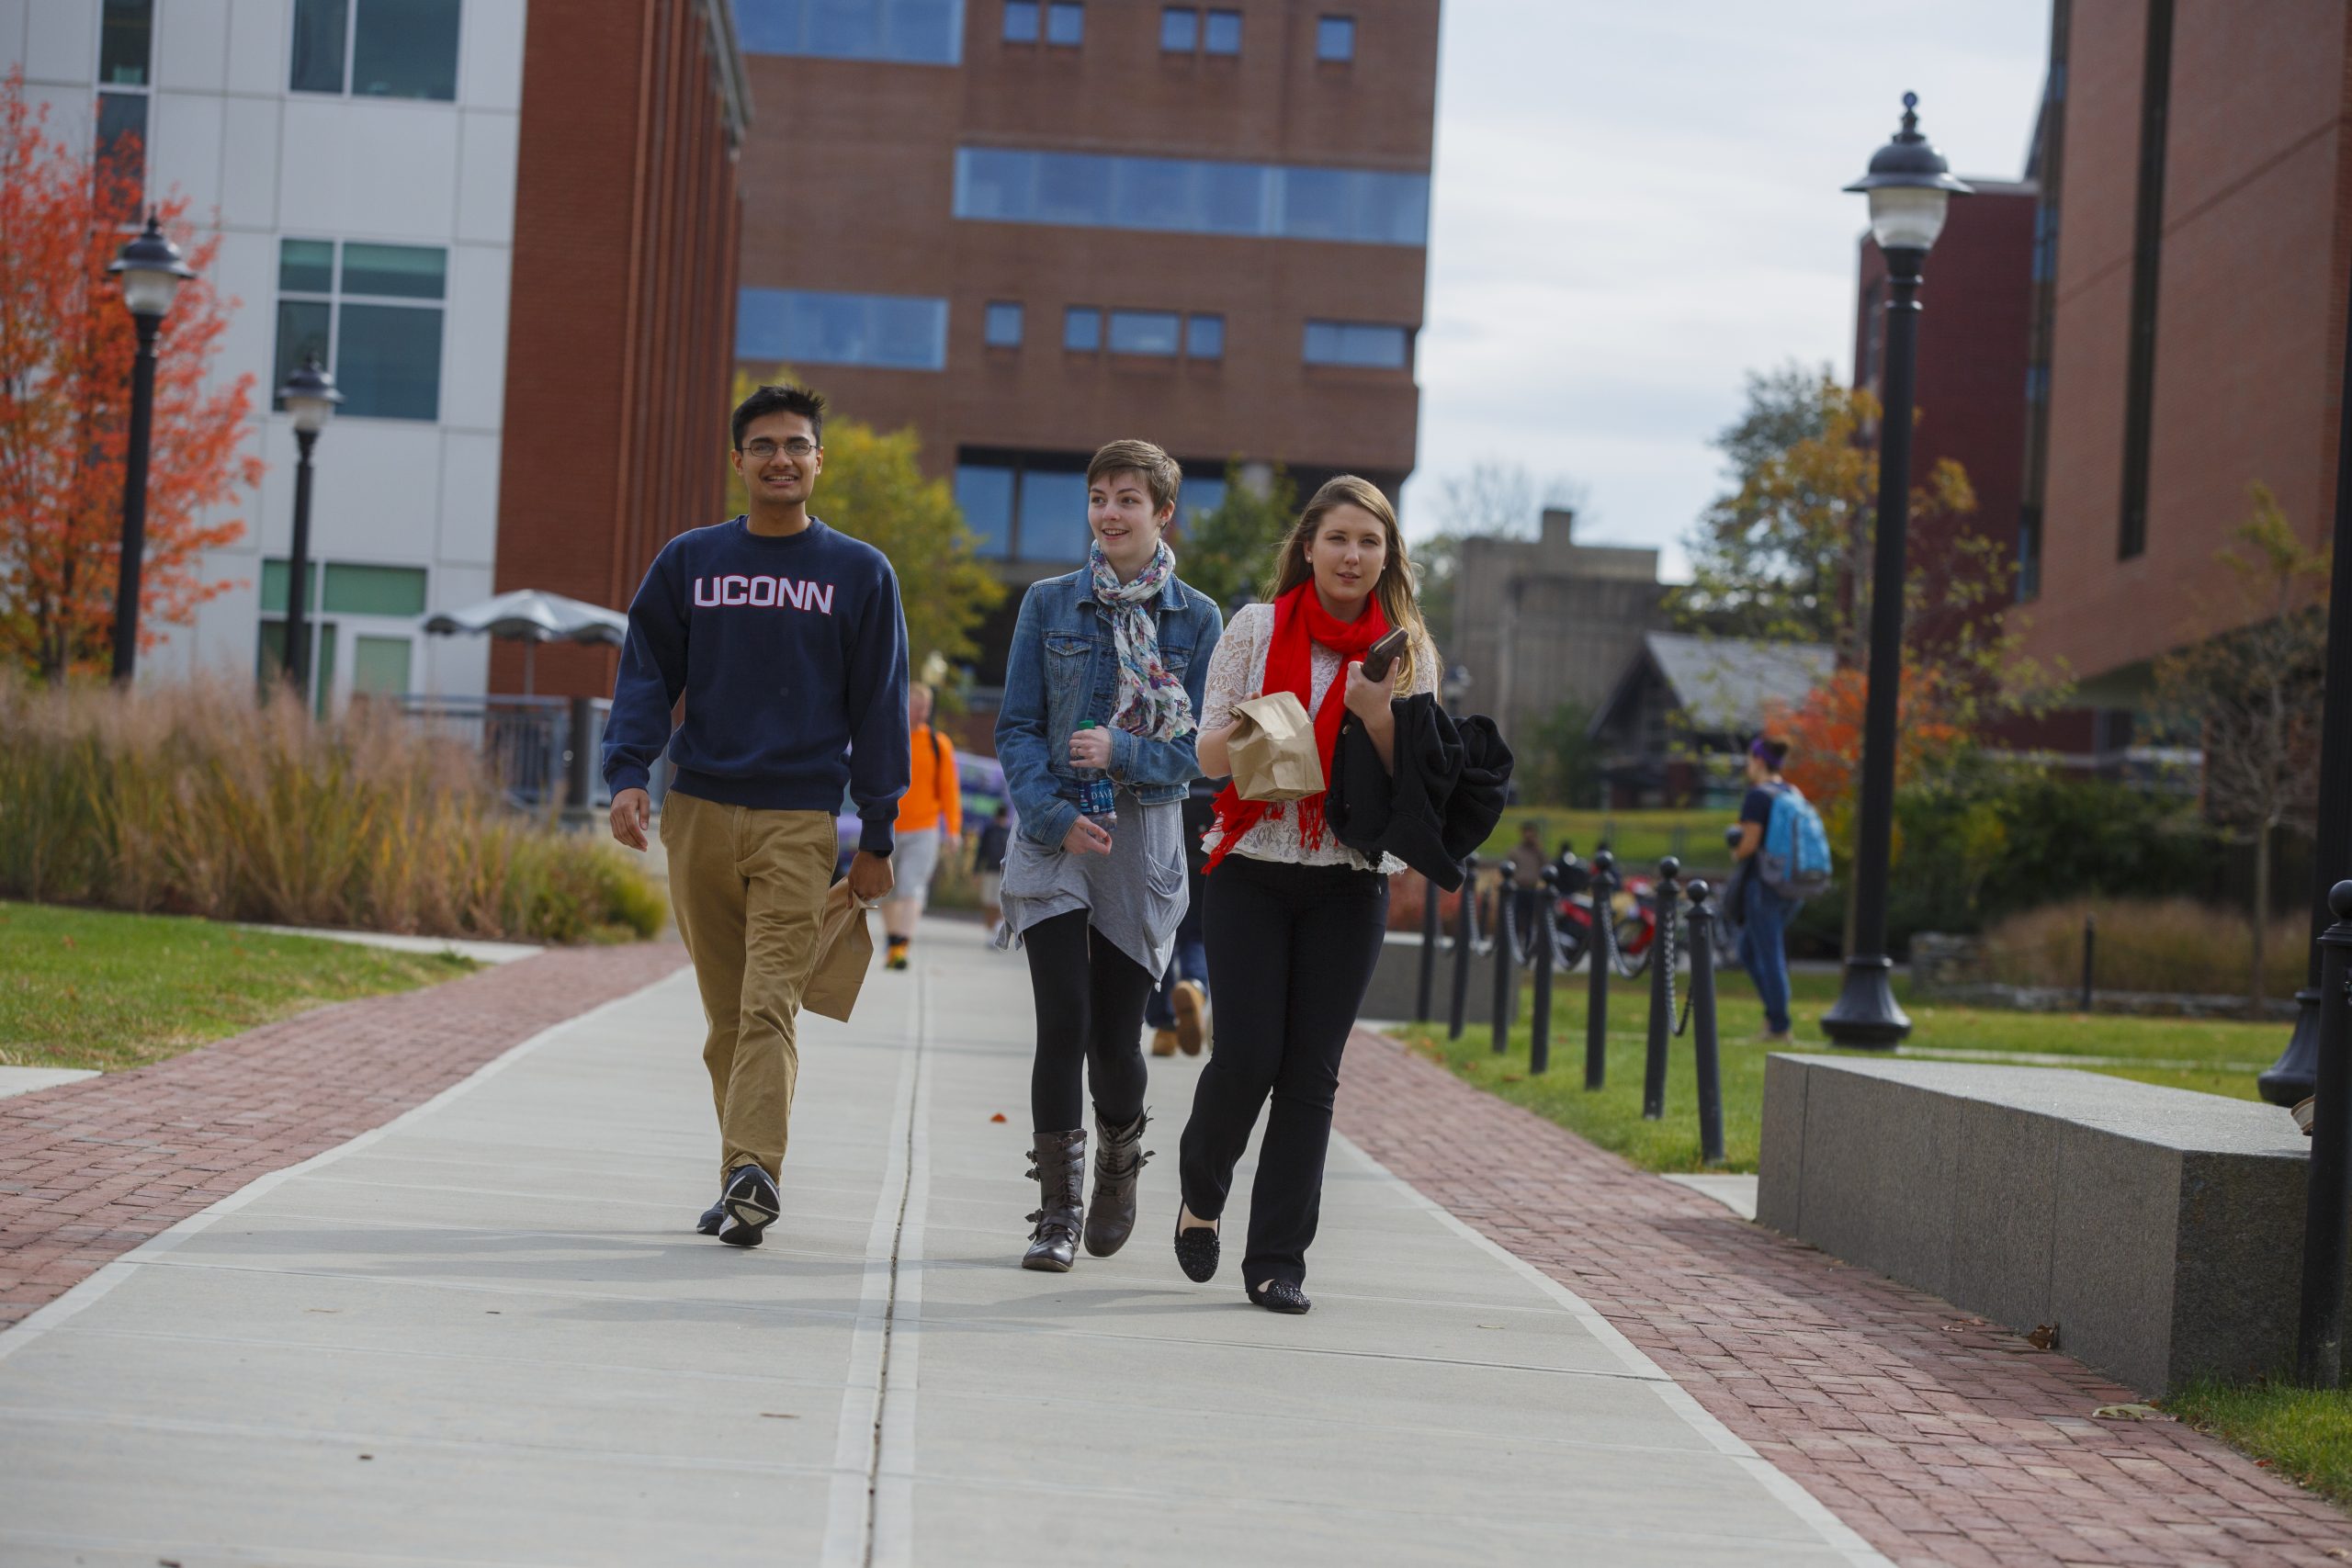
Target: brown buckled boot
1059,1165
1111,1217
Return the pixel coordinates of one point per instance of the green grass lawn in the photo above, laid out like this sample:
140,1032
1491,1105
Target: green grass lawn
90,989
2304,1433
2215,1057
1639,839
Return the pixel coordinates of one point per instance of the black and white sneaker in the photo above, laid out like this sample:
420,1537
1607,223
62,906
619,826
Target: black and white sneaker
708,1221
751,1203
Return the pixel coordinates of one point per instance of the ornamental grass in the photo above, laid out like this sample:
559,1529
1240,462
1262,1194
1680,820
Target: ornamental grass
198,799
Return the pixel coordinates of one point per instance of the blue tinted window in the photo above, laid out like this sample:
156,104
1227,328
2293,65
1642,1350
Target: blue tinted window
1065,23
1021,20
1204,337
1223,34
984,491
1143,331
913,32
894,331
1201,495
1356,343
1187,196
1005,324
1082,329
388,361
1180,28
1335,38
1053,516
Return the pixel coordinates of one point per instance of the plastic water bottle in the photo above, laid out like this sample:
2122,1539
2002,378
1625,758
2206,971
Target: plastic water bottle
1096,798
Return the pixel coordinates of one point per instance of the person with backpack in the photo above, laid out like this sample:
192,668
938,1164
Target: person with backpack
931,823
1783,855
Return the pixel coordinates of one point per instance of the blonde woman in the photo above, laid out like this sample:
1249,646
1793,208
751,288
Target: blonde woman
1294,918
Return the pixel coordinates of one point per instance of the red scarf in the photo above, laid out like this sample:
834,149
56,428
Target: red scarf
1300,620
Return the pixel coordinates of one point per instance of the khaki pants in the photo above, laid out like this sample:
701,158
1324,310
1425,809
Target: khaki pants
748,887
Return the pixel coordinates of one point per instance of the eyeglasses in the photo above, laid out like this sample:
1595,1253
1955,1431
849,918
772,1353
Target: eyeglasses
760,451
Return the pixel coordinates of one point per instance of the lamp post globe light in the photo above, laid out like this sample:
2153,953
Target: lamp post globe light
151,273
1909,186
309,397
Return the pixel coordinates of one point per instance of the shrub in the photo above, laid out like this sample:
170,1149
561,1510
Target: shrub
2145,944
197,800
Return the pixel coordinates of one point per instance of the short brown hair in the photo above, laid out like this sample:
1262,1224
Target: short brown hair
1160,474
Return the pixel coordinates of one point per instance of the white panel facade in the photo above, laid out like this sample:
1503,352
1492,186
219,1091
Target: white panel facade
262,163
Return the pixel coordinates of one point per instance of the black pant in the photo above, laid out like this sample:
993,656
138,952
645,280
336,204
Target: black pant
1291,954
1089,1011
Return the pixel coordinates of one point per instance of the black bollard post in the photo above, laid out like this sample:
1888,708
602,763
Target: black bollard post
1547,948
1596,953
1702,1026
1665,909
1506,995
2090,956
1432,932
1465,938
2319,1337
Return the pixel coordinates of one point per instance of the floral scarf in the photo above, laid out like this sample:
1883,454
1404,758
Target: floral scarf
1151,703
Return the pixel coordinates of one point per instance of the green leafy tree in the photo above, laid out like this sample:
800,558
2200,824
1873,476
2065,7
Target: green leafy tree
1564,763
874,489
1229,550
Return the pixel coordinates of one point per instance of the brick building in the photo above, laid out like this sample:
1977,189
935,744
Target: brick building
2196,168
1025,229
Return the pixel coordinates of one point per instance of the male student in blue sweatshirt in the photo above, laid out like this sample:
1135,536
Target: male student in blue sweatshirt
788,644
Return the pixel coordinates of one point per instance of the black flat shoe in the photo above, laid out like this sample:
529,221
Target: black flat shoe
1196,1250
1281,1295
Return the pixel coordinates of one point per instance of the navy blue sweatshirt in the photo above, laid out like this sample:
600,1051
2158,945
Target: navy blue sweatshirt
791,653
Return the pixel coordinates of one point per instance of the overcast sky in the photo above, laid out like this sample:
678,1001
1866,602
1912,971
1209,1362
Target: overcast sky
1634,205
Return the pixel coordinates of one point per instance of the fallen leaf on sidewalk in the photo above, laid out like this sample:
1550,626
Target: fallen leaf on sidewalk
997,1117
2129,1413
2044,1338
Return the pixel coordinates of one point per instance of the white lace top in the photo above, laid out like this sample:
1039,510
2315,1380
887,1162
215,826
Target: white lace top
1236,673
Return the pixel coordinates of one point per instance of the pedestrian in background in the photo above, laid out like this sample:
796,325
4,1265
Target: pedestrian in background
1178,1012
1764,912
987,864
930,824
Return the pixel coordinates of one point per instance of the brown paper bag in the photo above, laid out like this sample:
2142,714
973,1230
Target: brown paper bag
845,952
1272,750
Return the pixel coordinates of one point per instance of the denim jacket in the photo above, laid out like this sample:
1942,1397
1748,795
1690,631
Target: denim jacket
1063,669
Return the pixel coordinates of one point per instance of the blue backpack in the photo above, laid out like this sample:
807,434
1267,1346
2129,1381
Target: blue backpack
1794,861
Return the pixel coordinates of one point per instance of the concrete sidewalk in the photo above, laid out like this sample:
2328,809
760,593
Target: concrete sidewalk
484,1334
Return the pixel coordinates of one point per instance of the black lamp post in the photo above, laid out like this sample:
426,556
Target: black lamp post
2296,1073
309,396
151,273
1910,186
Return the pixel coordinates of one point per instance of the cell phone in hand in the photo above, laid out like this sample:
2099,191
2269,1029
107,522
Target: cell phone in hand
1382,654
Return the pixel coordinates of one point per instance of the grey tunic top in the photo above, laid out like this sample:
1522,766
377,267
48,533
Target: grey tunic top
1136,896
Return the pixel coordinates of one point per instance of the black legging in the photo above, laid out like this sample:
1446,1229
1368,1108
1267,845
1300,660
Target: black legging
1090,1012
1299,944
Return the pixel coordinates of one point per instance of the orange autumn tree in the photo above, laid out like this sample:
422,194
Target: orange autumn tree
66,348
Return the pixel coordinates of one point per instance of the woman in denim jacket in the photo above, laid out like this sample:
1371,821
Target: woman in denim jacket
1101,698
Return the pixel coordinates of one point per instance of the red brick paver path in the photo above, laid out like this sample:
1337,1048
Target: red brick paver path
1939,1437
88,1170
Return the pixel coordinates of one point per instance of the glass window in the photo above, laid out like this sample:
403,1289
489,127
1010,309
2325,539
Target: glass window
984,492
122,134
388,361
273,588
1143,331
1335,38
270,656
304,328
379,666
1053,515
1179,30
890,332
374,590
908,32
1065,23
318,46
1201,495
403,272
1204,337
306,266
405,49
1358,344
1223,34
127,30
1082,329
1021,20
1003,325
1187,196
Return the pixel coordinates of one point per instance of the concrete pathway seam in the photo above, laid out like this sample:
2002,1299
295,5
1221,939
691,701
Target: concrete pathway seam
890,1543
106,1278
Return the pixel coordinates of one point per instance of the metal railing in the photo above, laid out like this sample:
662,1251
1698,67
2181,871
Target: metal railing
541,751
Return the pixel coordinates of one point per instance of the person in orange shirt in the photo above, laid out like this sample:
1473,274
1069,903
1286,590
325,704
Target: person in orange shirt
931,821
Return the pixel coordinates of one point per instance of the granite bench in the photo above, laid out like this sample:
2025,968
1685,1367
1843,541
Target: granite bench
2160,1230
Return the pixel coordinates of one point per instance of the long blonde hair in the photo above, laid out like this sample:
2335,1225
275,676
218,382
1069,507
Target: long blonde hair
1395,587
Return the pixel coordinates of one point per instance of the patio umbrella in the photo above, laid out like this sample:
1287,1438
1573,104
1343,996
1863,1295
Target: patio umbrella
533,616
